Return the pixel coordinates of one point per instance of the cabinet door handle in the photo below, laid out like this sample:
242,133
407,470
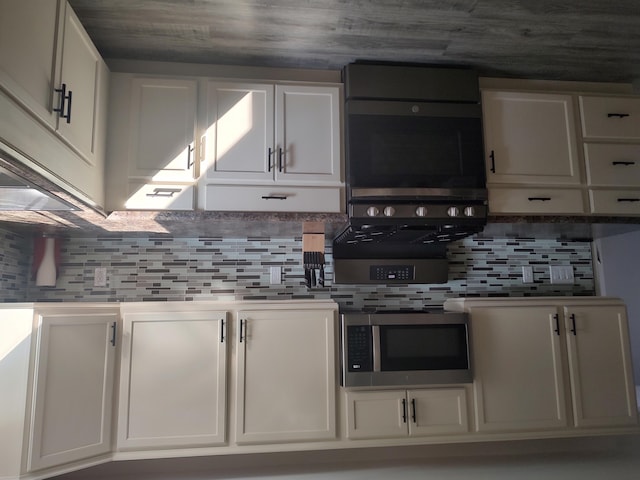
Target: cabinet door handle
242,330
629,200
404,410
618,115
190,161
269,155
113,334
623,163
274,197
539,199
492,156
413,410
222,330
164,192
557,320
573,324
65,97
280,163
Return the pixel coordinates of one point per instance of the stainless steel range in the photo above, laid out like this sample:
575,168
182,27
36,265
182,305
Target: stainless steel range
415,171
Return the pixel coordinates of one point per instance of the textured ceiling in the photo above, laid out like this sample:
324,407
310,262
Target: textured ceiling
584,40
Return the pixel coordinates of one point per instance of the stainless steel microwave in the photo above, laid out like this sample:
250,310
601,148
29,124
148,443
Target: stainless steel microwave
405,348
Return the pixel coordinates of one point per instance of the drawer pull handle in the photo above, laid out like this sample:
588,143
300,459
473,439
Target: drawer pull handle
623,163
274,197
539,199
164,192
629,199
617,115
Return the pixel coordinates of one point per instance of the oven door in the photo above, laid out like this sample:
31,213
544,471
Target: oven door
414,145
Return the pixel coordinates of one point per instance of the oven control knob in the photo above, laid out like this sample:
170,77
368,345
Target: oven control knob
389,211
469,212
421,211
373,211
453,211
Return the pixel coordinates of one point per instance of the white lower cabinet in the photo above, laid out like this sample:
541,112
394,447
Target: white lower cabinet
56,387
550,364
401,413
286,376
173,379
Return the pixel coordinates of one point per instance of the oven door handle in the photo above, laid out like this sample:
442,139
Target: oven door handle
375,333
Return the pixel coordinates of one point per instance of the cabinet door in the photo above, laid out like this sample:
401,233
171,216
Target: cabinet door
437,411
286,378
600,366
307,133
239,132
519,380
29,51
162,129
73,387
530,138
81,75
173,380
376,414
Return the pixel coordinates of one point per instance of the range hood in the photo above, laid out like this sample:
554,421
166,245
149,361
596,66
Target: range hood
18,194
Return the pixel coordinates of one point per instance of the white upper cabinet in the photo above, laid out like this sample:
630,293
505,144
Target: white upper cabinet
610,118
286,376
152,148
307,134
28,66
49,65
530,138
73,385
611,132
162,119
260,133
173,379
238,140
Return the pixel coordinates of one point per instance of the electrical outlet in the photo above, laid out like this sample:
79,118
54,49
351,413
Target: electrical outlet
275,275
561,274
527,274
100,277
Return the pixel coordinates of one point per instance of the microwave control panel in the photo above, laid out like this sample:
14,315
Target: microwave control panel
359,348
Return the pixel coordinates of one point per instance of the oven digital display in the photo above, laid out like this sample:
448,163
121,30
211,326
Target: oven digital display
398,273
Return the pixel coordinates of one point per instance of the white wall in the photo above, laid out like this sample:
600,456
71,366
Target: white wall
617,266
609,458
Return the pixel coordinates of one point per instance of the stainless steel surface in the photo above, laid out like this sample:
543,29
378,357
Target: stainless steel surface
359,270
18,194
423,193
412,210
375,335
378,378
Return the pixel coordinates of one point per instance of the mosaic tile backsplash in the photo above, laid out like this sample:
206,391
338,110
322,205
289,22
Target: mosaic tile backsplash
162,268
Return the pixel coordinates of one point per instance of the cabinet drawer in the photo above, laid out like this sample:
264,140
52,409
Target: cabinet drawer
615,202
159,197
272,199
540,201
610,117
612,165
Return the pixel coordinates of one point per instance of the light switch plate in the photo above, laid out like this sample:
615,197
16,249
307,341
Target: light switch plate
561,274
527,274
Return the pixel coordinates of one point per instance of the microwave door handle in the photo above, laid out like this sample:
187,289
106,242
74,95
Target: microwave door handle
375,333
